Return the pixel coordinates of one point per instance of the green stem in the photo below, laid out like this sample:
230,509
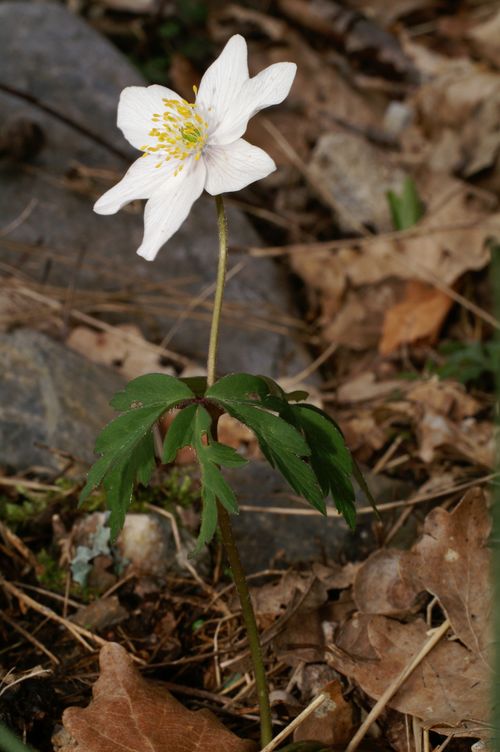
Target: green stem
266,728
228,540
219,291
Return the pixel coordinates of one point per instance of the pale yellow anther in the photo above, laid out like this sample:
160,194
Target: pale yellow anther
179,132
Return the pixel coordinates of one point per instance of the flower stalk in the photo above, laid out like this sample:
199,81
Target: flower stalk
225,527
219,291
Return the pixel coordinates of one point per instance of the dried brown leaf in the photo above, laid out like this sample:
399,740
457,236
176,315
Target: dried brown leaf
470,439
419,316
449,690
452,561
449,687
446,397
379,587
486,38
331,723
116,350
129,712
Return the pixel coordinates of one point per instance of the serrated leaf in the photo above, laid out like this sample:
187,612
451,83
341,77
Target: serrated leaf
179,433
126,444
360,479
301,478
153,389
192,426
213,480
126,430
210,455
240,387
330,458
282,445
224,455
208,521
198,384
270,429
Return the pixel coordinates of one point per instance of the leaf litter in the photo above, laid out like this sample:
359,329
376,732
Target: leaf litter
388,95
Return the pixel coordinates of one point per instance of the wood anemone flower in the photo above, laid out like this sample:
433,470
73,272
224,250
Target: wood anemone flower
191,146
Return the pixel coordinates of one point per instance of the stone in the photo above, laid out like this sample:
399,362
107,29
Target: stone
61,80
267,539
51,398
358,176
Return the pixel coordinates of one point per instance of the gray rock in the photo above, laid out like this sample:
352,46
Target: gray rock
268,539
50,397
358,176
63,77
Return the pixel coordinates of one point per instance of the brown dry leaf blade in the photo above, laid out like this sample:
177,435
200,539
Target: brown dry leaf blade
379,587
452,561
420,315
130,713
331,723
448,688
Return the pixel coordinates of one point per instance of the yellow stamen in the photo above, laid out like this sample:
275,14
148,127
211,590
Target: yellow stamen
180,131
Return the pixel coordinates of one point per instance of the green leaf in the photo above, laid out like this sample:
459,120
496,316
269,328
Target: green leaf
179,433
224,455
360,480
240,387
153,389
270,429
208,521
282,445
213,482
330,459
198,384
210,455
192,427
126,444
407,208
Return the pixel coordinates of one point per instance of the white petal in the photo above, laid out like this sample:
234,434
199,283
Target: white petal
141,180
137,106
269,87
167,209
232,167
223,80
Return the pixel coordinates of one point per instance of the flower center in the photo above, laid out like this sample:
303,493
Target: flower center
178,133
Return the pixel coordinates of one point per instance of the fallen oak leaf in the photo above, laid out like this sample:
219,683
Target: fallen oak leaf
448,690
379,587
452,562
132,713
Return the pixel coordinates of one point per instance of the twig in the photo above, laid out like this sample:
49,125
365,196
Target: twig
314,705
312,367
13,540
396,684
35,485
104,327
78,632
307,512
30,638
37,671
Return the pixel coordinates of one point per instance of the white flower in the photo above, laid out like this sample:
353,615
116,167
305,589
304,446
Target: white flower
188,147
